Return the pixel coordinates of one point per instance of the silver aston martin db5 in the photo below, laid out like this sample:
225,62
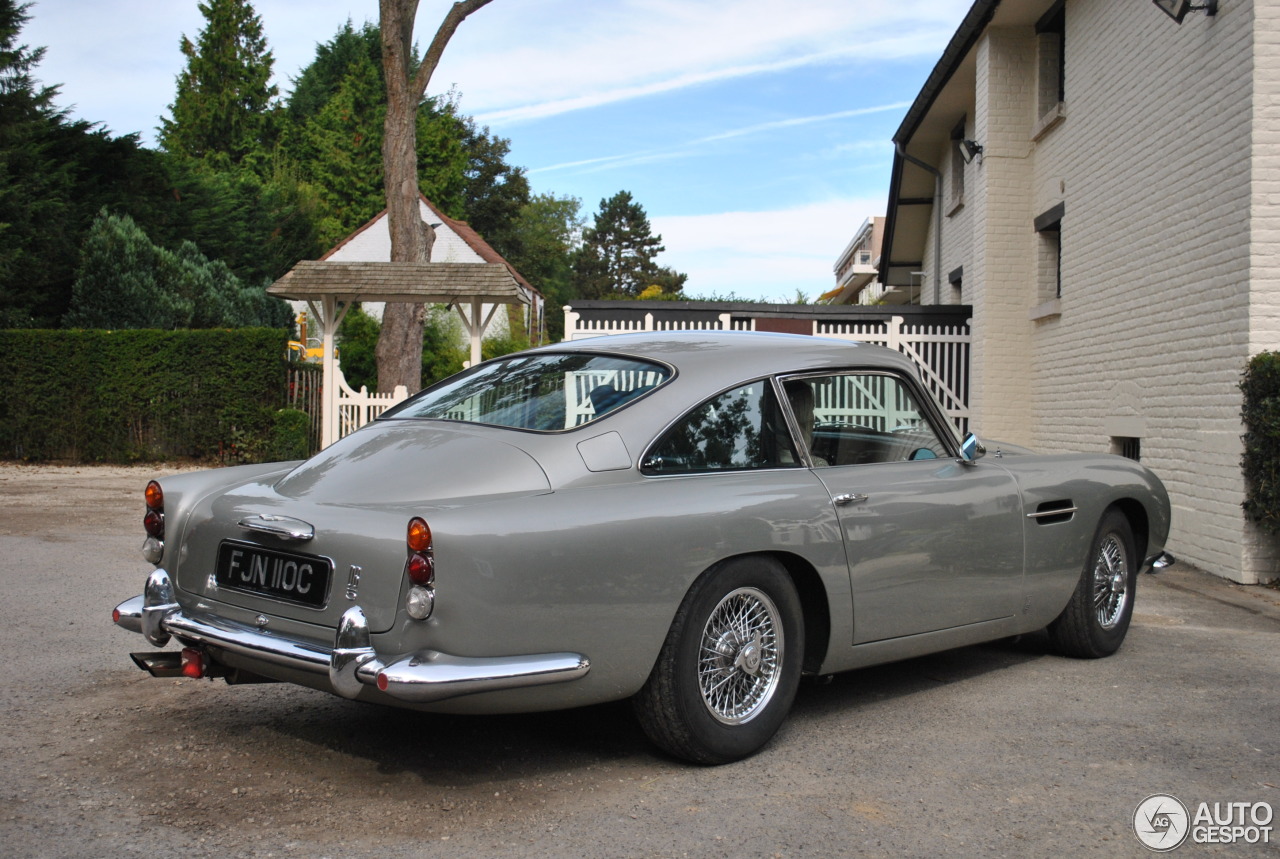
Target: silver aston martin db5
692,521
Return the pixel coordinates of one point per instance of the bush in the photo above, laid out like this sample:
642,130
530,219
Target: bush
1261,462
290,436
124,396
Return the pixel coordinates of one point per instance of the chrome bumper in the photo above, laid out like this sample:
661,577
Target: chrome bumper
351,663
1159,562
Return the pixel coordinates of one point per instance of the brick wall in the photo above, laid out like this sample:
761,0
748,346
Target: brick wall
1168,164
1262,554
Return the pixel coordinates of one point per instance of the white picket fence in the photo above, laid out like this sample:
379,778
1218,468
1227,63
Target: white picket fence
941,351
578,328
357,408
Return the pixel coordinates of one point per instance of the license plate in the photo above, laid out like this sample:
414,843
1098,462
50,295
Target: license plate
288,576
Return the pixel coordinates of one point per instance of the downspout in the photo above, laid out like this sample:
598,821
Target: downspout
937,217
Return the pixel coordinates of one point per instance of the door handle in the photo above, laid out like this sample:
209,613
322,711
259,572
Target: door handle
849,498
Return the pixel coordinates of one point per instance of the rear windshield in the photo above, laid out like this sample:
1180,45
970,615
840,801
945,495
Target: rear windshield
544,391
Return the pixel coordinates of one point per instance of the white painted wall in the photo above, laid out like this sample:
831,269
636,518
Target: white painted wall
373,244
1168,163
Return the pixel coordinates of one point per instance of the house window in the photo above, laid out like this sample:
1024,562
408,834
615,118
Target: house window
1051,56
1128,447
957,169
1048,228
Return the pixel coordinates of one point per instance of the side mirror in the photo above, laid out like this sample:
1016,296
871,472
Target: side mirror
971,448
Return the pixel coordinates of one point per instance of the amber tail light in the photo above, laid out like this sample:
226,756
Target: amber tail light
153,523
420,569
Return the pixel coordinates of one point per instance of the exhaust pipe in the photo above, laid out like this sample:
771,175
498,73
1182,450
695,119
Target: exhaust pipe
166,663
181,663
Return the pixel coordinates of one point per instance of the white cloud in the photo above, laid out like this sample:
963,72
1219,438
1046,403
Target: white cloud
765,254
512,59
542,57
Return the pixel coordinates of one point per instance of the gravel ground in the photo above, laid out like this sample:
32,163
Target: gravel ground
998,750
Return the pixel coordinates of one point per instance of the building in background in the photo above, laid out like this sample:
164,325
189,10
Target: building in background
856,275
455,242
1098,181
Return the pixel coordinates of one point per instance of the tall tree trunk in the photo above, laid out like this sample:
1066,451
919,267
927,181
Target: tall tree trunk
399,351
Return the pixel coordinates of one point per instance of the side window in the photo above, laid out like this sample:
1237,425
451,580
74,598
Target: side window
740,429
861,419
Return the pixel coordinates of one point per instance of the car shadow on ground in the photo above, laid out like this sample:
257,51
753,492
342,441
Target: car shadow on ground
847,691
459,751
277,757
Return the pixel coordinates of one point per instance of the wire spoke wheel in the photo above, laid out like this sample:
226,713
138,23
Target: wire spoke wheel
730,665
1110,582
1096,618
740,656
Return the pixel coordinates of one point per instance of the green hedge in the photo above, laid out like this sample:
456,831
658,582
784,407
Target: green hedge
123,396
1261,463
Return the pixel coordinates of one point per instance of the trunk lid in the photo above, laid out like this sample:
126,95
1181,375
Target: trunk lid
357,497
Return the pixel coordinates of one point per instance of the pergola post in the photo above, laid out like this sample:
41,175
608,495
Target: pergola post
330,318
476,327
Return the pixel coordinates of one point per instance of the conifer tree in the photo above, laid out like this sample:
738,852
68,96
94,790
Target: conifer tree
616,258
221,110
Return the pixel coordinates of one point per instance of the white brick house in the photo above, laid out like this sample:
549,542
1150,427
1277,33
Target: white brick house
1117,234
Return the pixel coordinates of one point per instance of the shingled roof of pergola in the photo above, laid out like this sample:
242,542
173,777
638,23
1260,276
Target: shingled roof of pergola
425,282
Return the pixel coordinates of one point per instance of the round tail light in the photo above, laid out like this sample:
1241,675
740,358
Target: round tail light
420,569
419,537
154,496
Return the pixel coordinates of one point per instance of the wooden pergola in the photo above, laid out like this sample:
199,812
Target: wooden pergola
330,288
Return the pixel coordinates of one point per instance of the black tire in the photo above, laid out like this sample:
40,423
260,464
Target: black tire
1097,616
723,702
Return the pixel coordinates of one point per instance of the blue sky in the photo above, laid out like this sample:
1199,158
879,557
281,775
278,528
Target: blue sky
756,134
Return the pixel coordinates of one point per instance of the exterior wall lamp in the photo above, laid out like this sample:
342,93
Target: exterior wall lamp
970,150
1178,9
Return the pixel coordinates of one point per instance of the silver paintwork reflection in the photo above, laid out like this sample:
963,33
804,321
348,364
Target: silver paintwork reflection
553,546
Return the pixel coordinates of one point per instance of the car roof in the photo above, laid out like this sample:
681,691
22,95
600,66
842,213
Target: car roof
742,354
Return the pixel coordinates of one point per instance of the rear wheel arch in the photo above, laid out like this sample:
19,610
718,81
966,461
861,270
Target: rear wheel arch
816,606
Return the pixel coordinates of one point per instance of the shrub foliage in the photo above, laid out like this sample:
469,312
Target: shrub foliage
1261,462
124,396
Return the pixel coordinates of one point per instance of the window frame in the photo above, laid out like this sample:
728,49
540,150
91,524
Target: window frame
1048,228
802,456
1051,28
393,413
942,428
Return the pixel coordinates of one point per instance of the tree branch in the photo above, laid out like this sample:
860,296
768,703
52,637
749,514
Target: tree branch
457,14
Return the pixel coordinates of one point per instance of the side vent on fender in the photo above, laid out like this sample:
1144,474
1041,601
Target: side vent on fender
1053,512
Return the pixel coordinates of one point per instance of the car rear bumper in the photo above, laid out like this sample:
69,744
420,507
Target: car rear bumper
351,663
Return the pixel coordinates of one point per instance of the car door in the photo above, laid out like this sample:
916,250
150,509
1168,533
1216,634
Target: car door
932,543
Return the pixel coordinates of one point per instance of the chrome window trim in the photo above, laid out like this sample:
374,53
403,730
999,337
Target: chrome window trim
925,404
